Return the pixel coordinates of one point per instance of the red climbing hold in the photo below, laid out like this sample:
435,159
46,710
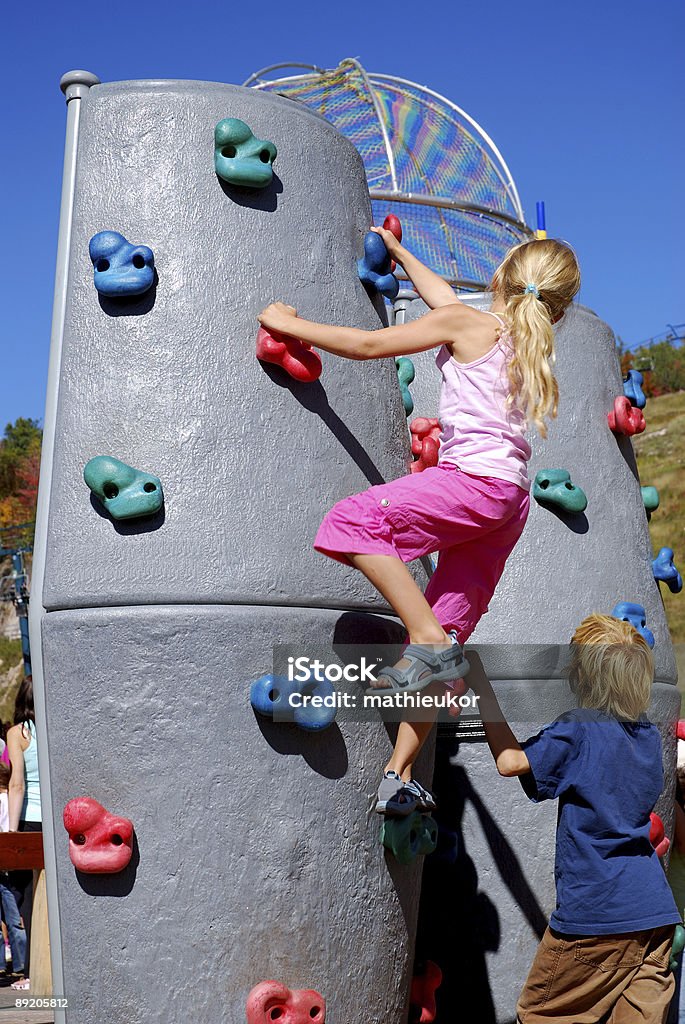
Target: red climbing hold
270,1000
625,418
422,1008
425,443
680,729
99,842
296,357
657,836
392,224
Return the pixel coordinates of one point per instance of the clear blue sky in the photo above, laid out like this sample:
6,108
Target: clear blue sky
586,109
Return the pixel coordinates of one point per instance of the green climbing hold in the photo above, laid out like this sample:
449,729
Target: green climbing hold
126,493
405,375
678,946
239,157
553,488
650,497
410,837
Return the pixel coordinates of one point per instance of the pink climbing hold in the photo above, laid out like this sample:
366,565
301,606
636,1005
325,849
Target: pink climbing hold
425,443
422,1005
657,835
99,842
296,357
270,1000
625,418
680,729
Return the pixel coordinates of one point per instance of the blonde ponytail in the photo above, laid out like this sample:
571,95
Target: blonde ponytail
537,281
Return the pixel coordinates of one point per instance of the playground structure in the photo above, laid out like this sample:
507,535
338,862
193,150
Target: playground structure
252,843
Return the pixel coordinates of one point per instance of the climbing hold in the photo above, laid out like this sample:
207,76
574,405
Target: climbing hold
270,1001
296,357
680,729
120,269
409,837
425,443
311,704
636,616
650,497
657,835
126,493
392,224
239,157
425,983
625,418
632,389
405,375
99,842
665,570
374,267
677,946
553,487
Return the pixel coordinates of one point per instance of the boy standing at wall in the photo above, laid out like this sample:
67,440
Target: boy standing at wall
605,955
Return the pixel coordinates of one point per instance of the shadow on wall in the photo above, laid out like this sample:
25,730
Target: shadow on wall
458,923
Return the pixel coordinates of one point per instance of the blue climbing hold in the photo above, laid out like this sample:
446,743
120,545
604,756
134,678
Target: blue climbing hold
126,493
310,704
405,375
632,388
635,614
239,157
665,570
374,268
119,268
409,837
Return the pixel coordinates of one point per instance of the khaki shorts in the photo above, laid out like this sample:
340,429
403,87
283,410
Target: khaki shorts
617,979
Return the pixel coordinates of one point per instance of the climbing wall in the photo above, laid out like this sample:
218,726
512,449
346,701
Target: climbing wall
254,854
484,907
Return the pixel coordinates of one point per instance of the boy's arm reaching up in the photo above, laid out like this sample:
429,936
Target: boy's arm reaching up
509,757
431,287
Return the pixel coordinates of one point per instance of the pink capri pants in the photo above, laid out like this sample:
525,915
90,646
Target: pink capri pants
472,521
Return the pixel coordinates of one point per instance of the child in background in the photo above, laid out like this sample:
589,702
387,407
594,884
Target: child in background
605,955
497,377
10,915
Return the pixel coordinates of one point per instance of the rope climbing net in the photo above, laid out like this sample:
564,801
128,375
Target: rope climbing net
426,161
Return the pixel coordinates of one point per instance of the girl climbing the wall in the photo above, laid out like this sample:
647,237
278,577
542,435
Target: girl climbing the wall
471,508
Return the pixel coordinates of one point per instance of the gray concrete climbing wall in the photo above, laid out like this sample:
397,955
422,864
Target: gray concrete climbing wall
481,916
256,854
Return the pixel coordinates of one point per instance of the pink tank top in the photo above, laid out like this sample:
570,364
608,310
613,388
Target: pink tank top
479,434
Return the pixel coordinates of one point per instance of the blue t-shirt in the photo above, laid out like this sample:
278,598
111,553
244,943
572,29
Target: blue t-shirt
608,776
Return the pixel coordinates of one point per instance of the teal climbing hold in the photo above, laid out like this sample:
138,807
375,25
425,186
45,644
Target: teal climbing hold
677,946
650,497
553,487
239,157
405,375
126,493
407,838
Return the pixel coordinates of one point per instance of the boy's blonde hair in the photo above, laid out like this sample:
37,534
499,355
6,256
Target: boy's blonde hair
537,281
612,667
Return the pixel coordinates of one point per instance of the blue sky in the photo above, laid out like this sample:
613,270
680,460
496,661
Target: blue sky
586,109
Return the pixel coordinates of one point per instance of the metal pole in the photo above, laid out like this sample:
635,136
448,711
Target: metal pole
21,606
75,86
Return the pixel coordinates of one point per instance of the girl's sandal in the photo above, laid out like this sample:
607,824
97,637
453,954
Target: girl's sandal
425,799
395,798
426,666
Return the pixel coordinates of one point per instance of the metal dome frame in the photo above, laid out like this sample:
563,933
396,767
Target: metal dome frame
396,194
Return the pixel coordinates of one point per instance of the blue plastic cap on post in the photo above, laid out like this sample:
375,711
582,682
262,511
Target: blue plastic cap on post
540,208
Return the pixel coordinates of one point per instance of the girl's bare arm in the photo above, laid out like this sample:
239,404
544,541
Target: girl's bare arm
15,792
435,328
